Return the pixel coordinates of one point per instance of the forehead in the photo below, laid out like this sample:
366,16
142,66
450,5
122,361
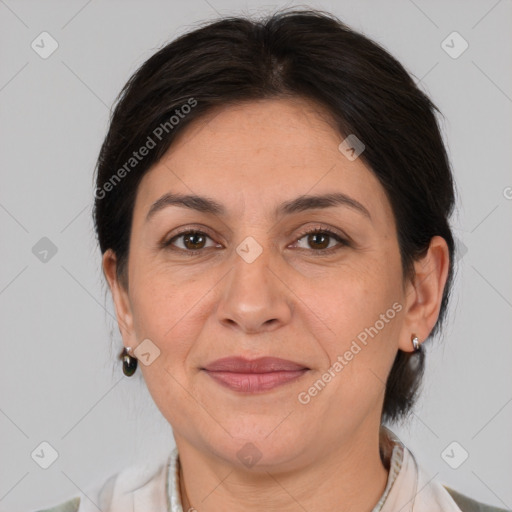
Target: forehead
272,149
262,128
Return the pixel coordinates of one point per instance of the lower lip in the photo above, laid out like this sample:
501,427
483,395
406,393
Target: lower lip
254,382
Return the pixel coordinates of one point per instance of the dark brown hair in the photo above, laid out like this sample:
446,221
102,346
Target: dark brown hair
291,53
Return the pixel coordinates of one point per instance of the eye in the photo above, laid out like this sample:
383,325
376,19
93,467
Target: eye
192,240
320,240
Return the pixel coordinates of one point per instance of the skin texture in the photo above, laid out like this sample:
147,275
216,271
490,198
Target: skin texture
294,301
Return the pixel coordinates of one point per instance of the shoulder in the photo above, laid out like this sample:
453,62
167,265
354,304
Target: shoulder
100,496
143,482
71,505
434,495
467,504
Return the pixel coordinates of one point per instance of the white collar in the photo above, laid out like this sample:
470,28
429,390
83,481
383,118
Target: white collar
409,487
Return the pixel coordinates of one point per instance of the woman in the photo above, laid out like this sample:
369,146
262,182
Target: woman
272,206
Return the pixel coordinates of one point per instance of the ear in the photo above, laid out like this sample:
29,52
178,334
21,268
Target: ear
120,297
424,293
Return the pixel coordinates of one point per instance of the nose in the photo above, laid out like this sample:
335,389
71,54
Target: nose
255,297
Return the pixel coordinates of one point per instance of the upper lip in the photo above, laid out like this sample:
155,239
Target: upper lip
260,365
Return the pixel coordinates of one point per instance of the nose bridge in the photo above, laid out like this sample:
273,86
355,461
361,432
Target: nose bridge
253,297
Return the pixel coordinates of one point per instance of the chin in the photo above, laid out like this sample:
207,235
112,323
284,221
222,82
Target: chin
259,448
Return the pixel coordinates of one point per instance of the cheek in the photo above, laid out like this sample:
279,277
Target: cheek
360,305
365,320
162,292
163,306
354,297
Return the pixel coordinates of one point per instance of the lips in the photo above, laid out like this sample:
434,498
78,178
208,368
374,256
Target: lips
256,375
260,365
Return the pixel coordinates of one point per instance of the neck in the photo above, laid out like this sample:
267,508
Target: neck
350,479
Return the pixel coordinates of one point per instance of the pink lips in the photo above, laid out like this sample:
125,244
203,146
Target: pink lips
264,373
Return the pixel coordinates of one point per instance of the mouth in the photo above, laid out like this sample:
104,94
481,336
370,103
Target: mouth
256,375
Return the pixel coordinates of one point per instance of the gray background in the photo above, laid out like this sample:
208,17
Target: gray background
59,380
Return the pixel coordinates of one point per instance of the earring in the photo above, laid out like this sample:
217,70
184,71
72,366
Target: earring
129,362
415,342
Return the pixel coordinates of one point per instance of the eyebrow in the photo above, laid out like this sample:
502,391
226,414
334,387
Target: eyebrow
302,203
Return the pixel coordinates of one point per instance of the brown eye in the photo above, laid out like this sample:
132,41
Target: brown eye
320,240
191,241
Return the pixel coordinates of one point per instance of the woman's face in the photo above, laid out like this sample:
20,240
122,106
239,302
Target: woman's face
252,283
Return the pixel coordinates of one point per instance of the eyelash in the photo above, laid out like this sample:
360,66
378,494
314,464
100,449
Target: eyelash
322,252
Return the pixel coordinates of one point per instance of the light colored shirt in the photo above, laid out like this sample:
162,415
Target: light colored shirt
155,488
